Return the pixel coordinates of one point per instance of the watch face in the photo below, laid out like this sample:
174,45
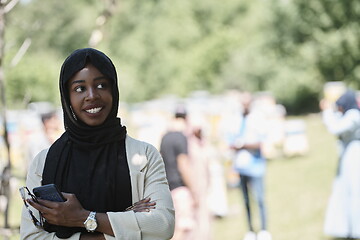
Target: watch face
91,225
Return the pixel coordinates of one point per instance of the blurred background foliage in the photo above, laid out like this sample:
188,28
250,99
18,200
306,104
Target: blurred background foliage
289,48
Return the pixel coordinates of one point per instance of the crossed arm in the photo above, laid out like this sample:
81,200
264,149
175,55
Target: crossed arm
71,214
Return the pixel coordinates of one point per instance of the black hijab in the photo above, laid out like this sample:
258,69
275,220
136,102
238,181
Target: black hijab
89,161
348,101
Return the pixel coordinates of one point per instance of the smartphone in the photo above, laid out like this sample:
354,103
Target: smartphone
49,192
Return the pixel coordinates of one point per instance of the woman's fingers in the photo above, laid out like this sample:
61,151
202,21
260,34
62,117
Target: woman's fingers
59,213
145,200
39,206
143,205
45,211
143,209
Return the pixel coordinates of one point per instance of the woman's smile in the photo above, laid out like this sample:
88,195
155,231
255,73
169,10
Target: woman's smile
93,110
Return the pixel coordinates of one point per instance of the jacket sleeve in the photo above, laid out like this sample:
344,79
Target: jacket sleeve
159,222
338,124
28,231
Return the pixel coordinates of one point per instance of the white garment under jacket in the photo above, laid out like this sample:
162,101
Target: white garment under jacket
148,179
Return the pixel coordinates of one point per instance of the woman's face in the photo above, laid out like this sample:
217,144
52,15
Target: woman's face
340,109
90,95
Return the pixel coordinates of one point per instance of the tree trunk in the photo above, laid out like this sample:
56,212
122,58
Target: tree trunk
6,172
98,33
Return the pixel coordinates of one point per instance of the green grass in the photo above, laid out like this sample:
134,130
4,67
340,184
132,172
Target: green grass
297,191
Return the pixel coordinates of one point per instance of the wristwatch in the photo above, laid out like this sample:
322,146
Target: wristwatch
90,223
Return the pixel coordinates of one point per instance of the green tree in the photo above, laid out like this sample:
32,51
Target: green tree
322,38
55,29
175,47
290,48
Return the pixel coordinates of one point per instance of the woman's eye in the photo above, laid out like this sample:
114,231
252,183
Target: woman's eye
101,85
79,89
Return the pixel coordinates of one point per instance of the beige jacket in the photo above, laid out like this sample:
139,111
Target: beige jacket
148,179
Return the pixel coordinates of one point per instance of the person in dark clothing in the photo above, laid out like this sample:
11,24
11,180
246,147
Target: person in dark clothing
174,150
173,145
107,178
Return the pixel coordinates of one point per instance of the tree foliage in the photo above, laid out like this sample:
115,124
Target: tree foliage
322,37
290,48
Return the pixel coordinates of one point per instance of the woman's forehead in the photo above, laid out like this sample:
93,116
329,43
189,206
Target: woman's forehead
81,59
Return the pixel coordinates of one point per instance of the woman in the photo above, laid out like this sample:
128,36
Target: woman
98,167
343,213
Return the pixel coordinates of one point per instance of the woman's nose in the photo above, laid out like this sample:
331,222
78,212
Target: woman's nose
92,93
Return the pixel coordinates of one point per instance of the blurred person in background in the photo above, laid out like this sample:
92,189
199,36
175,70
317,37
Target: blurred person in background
52,130
342,218
250,164
115,186
175,152
52,126
201,155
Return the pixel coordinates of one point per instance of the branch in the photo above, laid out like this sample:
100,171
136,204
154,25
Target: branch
10,5
97,34
20,53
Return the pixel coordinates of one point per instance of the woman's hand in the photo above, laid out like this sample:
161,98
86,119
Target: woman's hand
69,213
143,205
324,105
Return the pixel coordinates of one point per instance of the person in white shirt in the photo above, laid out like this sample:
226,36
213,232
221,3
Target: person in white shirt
342,218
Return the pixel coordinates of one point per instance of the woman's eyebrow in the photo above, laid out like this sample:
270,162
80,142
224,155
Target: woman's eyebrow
82,81
100,78
77,81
